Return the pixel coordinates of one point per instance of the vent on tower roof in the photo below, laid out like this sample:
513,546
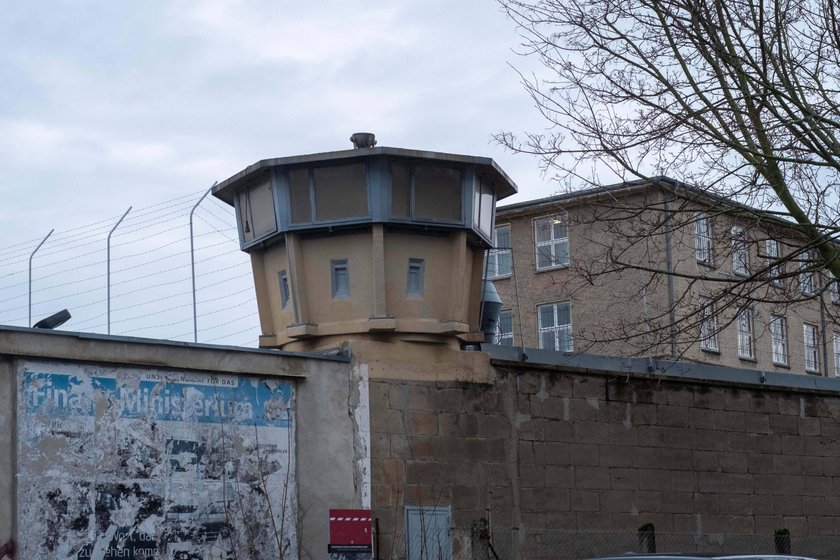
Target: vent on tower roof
363,140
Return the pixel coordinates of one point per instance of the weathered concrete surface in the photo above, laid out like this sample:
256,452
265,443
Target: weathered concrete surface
542,448
7,455
151,352
328,442
327,451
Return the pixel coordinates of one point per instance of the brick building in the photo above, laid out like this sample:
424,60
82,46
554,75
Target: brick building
661,269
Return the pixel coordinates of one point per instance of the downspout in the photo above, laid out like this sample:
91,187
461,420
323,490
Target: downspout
670,266
824,332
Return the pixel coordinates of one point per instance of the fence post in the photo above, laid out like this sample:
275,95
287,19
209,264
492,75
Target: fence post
782,540
108,258
647,538
192,262
30,274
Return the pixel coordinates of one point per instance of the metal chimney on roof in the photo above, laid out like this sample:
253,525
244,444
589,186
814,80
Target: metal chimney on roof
363,140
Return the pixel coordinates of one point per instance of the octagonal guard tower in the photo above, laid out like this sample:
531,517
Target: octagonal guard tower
374,243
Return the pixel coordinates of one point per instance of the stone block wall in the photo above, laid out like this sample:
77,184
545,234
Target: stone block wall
547,449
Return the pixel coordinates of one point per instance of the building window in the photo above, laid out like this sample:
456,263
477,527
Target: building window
416,271
807,275
556,326
708,325
703,239
504,330
837,354
779,334
256,211
812,356
499,259
774,269
284,289
745,333
834,288
484,199
427,193
552,235
740,251
340,279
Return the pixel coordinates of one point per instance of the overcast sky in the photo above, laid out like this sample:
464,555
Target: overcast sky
106,105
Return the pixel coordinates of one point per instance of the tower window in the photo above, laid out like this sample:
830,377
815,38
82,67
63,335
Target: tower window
416,271
340,279
284,289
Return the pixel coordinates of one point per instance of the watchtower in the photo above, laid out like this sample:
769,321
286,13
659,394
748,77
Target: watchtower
373,243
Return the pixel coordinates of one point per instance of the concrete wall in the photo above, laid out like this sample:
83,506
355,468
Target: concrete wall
7,457
542,449
378,304
136,479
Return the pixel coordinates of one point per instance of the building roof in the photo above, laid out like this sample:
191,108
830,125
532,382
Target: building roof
667,184
506,187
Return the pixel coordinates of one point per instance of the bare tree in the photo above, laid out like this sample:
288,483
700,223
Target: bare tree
737,102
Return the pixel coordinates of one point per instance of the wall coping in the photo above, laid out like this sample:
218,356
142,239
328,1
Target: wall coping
22,342
660,369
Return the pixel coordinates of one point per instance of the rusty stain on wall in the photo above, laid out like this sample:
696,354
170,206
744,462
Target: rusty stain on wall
154,464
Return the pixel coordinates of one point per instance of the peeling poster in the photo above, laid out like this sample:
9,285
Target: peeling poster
127,463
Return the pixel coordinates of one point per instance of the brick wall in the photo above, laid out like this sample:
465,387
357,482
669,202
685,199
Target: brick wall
544,449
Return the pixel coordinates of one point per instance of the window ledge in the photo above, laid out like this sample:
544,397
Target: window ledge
550,268
748,359
781,365
711,350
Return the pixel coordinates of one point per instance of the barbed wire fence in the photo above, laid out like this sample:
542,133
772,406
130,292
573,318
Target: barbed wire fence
150,266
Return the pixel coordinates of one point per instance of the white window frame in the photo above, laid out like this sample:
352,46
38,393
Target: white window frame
505,337
811,345
836,353
708,325
773,248
703,246
551,247
779,339
746,333
497,254
740,251
834,288
562,332
807,278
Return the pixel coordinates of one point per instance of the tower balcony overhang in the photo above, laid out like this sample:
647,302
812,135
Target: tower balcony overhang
343,189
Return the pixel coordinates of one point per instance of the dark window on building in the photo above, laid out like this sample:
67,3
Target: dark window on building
284,289
299,196
340,279
504,331
416,271
340,192
400,191
437,193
